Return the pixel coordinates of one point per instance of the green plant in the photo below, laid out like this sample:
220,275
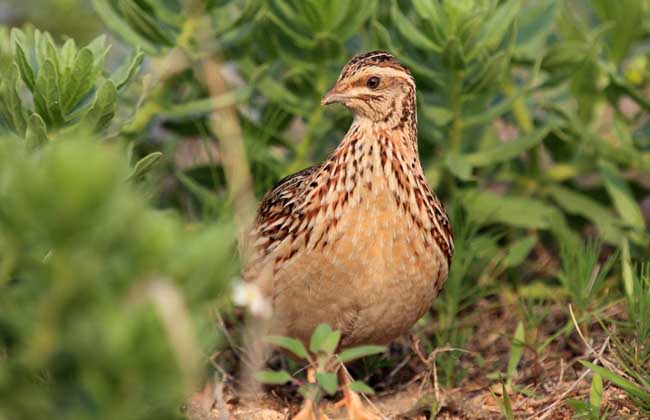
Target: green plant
533,118
639,392
466,56
638,313
631,350
591,408
582,276
504,404
98,289
473,252
322,358
68,85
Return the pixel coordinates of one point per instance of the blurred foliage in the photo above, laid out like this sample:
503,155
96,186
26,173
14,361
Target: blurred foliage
565,81
534,121
73,18
97,288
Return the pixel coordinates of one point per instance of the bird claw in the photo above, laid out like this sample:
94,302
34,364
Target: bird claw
307,413
357,410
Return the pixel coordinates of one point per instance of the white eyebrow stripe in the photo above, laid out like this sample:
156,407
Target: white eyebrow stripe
389,71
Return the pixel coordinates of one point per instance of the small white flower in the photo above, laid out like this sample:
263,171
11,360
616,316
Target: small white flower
249,295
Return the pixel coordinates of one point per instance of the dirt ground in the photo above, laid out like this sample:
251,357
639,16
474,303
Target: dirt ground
409,390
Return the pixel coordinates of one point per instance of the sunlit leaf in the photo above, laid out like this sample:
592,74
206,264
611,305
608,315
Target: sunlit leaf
328,381
359,352
294,346
273,377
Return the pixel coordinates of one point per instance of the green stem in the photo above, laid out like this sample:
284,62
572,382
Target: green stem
524,121
456,103
519,108
455,133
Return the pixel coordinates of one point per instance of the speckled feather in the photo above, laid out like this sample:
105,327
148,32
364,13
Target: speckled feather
360,241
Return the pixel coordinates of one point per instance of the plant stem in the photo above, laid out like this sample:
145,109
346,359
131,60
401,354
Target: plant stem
524,121
456,103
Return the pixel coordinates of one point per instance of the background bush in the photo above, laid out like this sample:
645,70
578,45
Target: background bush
115,188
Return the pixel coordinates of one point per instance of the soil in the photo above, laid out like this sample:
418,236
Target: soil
407,387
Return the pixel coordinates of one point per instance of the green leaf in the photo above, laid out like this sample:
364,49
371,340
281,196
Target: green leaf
318,338
627,275
575,202
99,48
416,67
627,17
506,151
428,10
519,250
579,406
36,134
507,406
630,387
294,346
47,95
361,387
79,80
458,166
357,15
328,381
52,54
331,342
273,377
596,394
40,40
410,32
437,114
11,106
103,109
115,23
490,74
497,25
358,352
535,23
207,197
565,56
280,94
144,165
145,23
26,71
125,73
486,206
621,195
68,53
517,350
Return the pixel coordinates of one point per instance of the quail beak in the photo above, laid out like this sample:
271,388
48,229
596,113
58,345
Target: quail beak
333,96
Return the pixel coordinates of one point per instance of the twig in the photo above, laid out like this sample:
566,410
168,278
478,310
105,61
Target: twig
224,413
548,409
561,378
602,361
399,367
430,362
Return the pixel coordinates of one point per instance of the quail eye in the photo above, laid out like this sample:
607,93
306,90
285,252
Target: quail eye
373,82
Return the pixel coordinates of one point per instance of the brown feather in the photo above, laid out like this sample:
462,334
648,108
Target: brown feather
359,242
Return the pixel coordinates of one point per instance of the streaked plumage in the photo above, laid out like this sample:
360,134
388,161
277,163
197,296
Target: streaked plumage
359,242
